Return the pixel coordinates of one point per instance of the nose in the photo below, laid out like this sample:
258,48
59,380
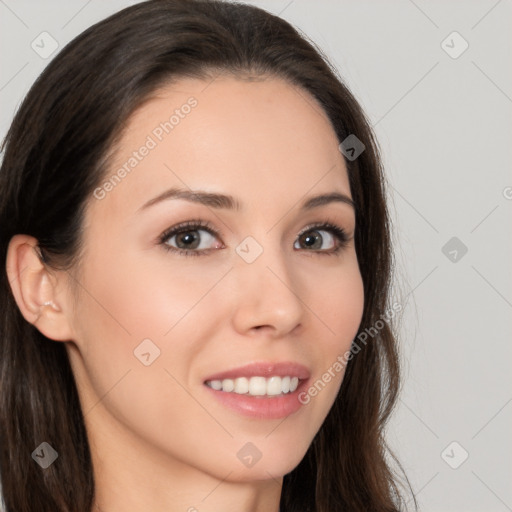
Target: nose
267,296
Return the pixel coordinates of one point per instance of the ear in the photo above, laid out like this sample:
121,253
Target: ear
35,289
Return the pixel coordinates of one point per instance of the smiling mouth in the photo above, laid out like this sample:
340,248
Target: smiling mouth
257,386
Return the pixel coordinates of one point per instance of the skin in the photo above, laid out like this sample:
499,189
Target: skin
158,440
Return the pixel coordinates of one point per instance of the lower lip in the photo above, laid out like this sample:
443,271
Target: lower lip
262,407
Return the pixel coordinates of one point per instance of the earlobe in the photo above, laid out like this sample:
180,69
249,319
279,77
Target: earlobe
35,289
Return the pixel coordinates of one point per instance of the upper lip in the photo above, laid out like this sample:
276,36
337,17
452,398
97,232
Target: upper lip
264,369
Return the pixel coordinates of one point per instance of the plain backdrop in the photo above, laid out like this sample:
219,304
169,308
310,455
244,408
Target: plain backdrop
436,82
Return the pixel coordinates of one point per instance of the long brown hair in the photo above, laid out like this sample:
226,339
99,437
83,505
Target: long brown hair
55,154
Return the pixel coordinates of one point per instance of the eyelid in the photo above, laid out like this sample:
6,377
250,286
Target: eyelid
327,225
192,223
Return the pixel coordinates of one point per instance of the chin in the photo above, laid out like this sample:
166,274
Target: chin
275,465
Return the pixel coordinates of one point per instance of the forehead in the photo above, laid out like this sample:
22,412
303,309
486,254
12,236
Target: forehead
255,140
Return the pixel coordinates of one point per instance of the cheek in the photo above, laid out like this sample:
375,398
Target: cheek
146,296
127,303
337,301
142,316
336,298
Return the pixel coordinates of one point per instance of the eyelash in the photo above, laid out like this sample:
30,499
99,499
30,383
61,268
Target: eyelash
192,225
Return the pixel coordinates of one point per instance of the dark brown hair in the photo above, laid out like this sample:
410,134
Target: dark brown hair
55,154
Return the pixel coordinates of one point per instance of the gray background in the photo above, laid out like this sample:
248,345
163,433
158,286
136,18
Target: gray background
444,124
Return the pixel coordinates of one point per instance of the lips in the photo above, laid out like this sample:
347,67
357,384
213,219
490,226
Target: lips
260,390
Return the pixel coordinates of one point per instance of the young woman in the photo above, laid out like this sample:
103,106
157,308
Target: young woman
196,245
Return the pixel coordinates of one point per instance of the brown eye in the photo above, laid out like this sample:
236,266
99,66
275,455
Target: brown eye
188,240
325,238
191,238
317,239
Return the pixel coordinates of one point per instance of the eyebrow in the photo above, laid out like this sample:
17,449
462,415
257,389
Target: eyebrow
215,200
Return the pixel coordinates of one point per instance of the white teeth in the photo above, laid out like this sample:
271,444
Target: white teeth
228,384
285,384
256,386
241,385
216,384
274,386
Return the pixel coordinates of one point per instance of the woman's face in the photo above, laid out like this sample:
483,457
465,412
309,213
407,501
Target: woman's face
167,342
